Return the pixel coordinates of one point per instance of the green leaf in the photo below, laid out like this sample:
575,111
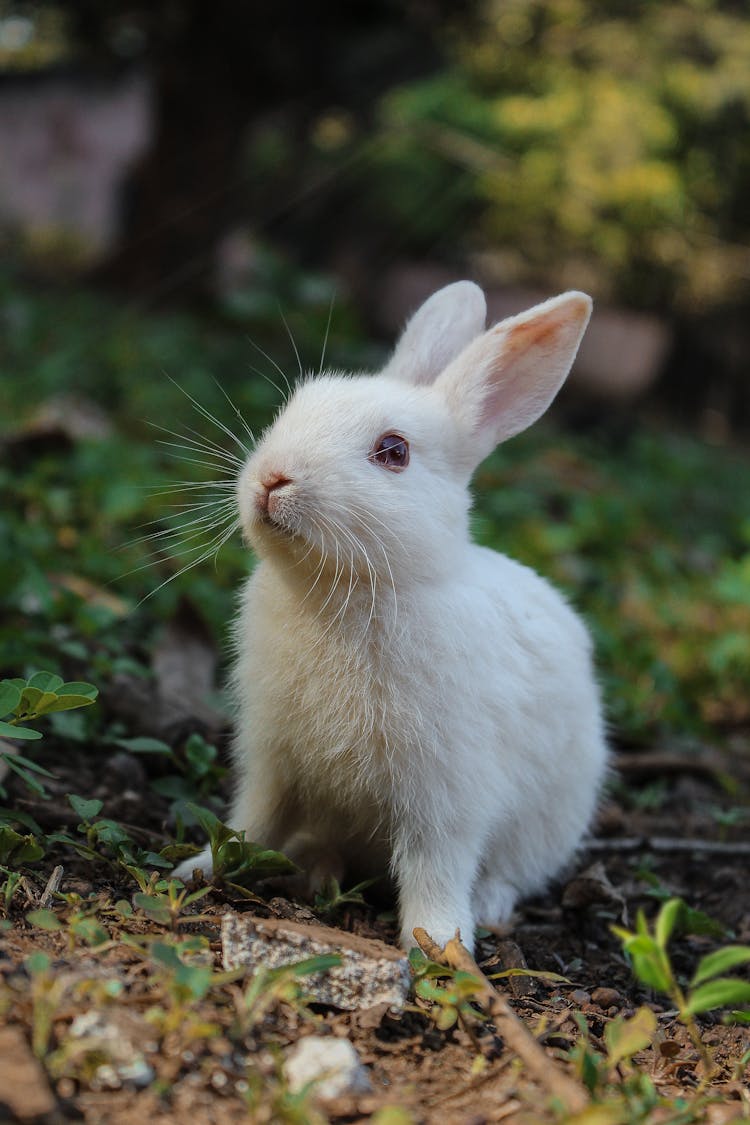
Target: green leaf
14,763
37,702
175,853
666,921
714,963
84,808
538,974
718,994
650,964
37,963
320,964
238,859
14,816
80,689
26,733
18,849
155,907
625,1037
45,681
165,955
44,919
20,759
392,1115
10,697
64,703
144,746
90,930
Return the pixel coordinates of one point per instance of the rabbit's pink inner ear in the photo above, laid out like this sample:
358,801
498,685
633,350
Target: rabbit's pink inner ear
527,360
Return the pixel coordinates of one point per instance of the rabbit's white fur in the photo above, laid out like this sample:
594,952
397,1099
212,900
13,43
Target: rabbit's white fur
406,698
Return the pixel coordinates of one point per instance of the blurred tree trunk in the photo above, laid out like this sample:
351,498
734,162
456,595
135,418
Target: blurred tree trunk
219,67
180,197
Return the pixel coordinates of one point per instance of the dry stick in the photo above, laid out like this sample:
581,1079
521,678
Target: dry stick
511,1029
665,844
53,885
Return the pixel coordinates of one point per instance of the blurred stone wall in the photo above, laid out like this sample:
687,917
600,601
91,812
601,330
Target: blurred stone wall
65,144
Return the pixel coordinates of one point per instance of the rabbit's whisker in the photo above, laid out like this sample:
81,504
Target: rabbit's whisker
228,519
205,413
379,543
198,442
272,361
200,525
322,564
175,486
291,337
325,338
237,411
220,460
213,551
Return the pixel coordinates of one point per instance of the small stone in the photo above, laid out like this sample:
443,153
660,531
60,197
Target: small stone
370,972
579,996
23,1082
332,1064
606,997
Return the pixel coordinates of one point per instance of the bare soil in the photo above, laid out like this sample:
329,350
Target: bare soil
661,832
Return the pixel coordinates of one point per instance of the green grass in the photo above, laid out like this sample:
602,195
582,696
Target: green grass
648,533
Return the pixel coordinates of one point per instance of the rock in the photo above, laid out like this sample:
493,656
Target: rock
112,1037
332,1064
606,997
579,996
589,888
24,1089
370,972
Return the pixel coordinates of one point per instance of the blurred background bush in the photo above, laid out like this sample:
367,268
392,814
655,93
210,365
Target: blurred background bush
159,147
173,174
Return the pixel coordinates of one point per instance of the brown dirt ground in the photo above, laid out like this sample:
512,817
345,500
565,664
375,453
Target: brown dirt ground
439,1077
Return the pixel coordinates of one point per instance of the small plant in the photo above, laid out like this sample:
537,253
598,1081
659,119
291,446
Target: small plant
708,988
691,921
82,922
9,886
621,1092
16,849
105,839
452,992
236,859
330,898
269,987
163,900
199,772
25,701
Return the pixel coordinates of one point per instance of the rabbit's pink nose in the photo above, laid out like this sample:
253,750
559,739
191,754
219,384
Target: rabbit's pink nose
266,498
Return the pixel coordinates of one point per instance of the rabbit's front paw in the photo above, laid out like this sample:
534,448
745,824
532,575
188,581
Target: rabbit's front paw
201,862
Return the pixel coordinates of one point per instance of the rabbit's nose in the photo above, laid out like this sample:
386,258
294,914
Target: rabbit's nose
270,484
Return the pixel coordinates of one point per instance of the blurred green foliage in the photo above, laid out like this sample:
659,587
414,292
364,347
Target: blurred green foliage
593,143
647,531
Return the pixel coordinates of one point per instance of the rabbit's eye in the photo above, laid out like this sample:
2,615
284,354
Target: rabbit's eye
392,452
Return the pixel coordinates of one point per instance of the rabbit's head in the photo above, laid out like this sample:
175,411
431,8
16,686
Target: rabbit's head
369,473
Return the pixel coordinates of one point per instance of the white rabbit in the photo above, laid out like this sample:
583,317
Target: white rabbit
408,700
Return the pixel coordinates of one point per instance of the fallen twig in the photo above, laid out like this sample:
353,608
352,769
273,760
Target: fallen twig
511,1029
53,885
666,844
650,764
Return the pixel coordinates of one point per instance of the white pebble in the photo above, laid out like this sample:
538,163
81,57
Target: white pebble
333,1064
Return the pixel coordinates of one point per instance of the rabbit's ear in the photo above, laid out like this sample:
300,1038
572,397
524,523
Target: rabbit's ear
504,380
437,332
